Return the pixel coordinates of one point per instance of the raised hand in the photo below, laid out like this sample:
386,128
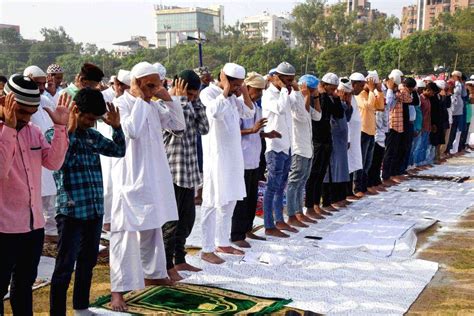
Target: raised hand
225,83
60,115
9,110
371,84
112,117
261,123
163,94
304,90
72,121
135,89
390,84
180,88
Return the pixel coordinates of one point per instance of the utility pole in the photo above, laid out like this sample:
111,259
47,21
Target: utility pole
456,61
200,48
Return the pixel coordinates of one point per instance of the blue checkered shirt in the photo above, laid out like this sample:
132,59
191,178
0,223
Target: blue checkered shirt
80,192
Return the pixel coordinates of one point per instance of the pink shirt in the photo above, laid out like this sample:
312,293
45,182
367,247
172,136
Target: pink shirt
21,156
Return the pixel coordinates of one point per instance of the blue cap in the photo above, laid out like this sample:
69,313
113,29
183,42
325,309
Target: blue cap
272,71
310,80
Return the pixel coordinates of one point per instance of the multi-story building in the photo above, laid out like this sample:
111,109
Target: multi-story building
409,20
427,11
131,46
268,27
363,10
10,26
171,22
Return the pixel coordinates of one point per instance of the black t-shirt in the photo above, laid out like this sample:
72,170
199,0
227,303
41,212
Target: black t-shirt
330,107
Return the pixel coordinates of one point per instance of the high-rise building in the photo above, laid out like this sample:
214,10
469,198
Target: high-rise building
172,21
427,11
132,46
10,26
363,10
409,20
268,27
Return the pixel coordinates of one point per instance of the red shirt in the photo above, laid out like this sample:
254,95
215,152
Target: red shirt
426,110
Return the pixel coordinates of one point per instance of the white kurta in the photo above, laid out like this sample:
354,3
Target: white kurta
223,163
43,121
354,154
143,198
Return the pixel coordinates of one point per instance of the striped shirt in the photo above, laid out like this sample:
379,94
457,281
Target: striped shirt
396,114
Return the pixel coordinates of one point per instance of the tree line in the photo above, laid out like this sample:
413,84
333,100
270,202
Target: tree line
328,40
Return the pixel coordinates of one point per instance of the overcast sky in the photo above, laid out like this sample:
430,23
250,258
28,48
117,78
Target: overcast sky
104,22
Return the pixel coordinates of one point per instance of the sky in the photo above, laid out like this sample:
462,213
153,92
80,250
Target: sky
104,22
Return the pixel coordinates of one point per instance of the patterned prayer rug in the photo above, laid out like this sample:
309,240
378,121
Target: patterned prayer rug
186,299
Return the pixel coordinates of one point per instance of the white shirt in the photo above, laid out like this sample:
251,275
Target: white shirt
302,136
144,197
223,162
54,98
42,119
251,143
354,153
279,107
109,94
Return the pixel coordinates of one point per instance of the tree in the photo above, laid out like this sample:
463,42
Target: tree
382,55
342,60
309,25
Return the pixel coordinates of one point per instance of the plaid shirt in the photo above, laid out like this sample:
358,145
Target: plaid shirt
396,114
181,145
79,181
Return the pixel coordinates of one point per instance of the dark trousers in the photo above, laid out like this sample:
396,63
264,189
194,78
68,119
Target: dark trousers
374,171
391,159
334,192
314,185
407,147
463,139
457,124
19,265
244,212
78,244
350,185
263,163
360,176
176,232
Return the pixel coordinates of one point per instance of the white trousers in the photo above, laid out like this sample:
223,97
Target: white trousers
49,212
135,256
107,206
220,219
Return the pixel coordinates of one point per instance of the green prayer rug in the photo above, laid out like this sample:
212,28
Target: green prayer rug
186,299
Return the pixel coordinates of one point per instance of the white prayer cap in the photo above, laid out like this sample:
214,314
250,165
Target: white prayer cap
143,69
441,84
456,73
34,72
471,78
124,77
286,68
395,77
420,83
398,72
161,70
428,78
345,84
330,78
112,79
255,80
234,71
373,74
471,82
357,76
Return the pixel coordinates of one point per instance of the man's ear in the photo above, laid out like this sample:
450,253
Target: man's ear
76,110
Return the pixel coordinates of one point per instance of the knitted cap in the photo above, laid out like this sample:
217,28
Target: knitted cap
25,90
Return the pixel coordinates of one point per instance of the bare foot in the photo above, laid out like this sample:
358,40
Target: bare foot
380,188
352,198
230,250
294,221
242,244
285,226
253,236
316,214
303,218
372,191
339,204
174,275
276,233
165,281
389,182
117,302
360,194
211,258
186,267
51,239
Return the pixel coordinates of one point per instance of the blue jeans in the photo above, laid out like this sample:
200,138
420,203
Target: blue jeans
278,166
367,143
299,174
415,151
423,155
